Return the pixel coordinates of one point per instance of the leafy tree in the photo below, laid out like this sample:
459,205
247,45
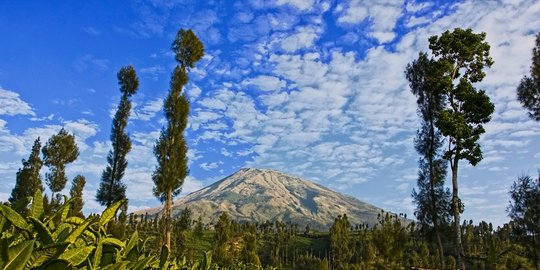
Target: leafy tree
459,59
28,178
76,193
111,188
223,235
524,210
171,148
339,241
529,88
60,150
199,228
432,200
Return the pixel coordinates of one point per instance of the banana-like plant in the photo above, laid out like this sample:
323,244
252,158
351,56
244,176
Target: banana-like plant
60,241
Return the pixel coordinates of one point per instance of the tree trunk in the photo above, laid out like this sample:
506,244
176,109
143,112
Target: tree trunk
455,208
167,211
432,191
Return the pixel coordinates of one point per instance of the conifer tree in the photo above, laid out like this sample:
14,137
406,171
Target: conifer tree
28,178
432,200
529,88
76,192
460,57
60,150
339,241
111,189
171,148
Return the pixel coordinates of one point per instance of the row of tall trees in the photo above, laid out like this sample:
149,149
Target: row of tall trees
170,149
453,112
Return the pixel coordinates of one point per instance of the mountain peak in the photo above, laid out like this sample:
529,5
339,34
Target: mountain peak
258,195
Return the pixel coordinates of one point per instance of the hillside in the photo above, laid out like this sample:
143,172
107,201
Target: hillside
262,194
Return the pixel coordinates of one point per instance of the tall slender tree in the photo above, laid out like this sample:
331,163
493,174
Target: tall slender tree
76,192
28,178
529,88
171,148
60,150
432,200
460,57
111,189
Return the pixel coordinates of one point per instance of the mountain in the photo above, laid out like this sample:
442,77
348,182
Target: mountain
258,195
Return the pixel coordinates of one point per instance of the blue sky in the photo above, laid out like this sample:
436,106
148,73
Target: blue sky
312,88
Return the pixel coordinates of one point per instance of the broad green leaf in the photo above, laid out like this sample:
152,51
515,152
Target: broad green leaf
114,242
116,266
142,264
50,219
19,256
76,256
43,233
14,217
132,242
97,255
110,212
74,220
79,230
42,255
62,232
37,205
164,256
65,212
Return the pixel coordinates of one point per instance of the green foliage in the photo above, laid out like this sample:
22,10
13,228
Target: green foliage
339,241
28,178
459,59
528,90
59,151
432,200
111,189
76,193
524,211
75,243
171,149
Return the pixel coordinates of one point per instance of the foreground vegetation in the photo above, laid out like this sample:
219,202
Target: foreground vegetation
42,233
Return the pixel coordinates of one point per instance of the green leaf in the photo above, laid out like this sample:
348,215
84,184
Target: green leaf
65,211
110,212
76,256
60,210
62,232
37,205
19,255
164,256
43,233
14,217
74,220
142,264
116,266
97,256
79,230
132,241
42,255
114,242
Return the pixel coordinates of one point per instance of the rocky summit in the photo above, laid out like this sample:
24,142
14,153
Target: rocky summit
258,195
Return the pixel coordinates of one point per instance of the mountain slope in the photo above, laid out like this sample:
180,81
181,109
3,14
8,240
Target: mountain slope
261,195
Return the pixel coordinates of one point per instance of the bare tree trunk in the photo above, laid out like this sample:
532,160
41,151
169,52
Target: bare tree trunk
455,208
167,211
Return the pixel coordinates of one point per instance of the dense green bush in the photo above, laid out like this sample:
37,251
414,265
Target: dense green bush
60,241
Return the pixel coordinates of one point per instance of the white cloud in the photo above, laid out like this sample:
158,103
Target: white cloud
304,38
12,104
148,110
300,4
383,14
266,83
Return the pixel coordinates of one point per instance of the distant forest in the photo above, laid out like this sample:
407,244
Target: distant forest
49,231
